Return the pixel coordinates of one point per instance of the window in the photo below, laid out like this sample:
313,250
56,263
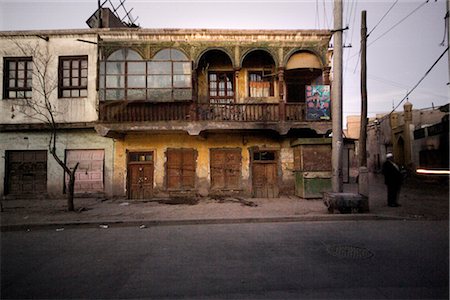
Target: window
125,76
221,88
17,78
260,85
73,76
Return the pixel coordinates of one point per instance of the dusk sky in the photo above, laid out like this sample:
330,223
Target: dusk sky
399,52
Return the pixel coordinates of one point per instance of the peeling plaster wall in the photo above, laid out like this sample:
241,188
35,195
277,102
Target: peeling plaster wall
158,143
81,140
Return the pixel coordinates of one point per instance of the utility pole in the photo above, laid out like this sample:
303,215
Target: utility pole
363,126
336,97
447,16
363,181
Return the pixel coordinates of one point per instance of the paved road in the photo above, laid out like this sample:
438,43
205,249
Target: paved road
364,260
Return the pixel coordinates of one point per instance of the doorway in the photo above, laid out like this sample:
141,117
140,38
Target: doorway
264,174
140,175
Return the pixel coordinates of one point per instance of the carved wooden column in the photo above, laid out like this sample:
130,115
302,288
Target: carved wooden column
326,75
194,106
282,94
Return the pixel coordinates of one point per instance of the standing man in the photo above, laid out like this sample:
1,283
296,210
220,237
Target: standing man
393,180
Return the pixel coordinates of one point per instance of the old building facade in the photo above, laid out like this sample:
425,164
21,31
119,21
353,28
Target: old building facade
175,112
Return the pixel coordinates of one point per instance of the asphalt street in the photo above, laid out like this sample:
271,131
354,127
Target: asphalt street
326,260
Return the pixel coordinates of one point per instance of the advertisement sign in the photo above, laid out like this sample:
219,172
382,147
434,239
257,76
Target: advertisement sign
318,103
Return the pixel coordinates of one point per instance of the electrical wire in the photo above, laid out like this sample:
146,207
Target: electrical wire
398,23
384,16
417,84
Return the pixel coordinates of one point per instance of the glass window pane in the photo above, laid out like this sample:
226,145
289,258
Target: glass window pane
12,65
12,83
102,67
160,94
66,82
74,73
132,55
84,63
136,81
159,67
177,55
83,82
136,68
118,55
66,64
115,81
181,68
162,55
159,81
21,74
75,82
66,73
133,94
29,65
12,74
20,94
29,82
84,73
75,64
182,80
66,93
115,68
115,94
76,93
20,83
12,95
102,81
182,94
21,65
83,93
28,94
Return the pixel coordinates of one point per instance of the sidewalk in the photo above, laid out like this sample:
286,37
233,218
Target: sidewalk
419,200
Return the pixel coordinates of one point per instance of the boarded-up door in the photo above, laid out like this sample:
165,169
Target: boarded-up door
181,169
26,172
225,167
140,175
89,174
264,174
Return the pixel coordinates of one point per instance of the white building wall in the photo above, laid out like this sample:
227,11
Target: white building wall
38,140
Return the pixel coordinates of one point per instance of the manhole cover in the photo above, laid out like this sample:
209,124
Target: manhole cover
343,251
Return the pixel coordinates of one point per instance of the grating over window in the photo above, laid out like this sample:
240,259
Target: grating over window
126,76
17,77
73,76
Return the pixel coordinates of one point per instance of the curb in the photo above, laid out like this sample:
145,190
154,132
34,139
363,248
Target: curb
155,223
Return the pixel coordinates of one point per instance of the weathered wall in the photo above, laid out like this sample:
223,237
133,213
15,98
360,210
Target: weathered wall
68,109
82,140
158,143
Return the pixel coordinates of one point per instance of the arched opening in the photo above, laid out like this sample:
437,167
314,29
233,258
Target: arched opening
302,69
215,77
259,73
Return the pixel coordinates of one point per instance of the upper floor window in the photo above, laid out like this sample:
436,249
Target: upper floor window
125,76
260,85
17,77
221,87
73,76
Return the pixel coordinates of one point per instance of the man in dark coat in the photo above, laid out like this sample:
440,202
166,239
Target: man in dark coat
393,180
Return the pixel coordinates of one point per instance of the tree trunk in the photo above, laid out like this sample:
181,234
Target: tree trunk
71,189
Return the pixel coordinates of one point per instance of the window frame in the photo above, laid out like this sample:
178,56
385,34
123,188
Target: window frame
225,99
71,77
28,75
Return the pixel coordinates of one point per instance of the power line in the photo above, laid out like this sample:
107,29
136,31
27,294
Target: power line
392,6
399,22
417,84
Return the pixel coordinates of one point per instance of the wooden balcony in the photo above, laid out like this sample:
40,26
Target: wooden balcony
138,111
117,118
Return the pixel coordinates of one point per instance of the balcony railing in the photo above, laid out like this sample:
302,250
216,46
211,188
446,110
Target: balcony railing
111,112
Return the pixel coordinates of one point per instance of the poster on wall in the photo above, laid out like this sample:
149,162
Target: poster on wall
318,104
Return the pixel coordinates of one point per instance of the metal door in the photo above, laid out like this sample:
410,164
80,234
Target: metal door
140,175
26,172
89,174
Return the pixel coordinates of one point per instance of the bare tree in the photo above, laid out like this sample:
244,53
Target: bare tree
40,107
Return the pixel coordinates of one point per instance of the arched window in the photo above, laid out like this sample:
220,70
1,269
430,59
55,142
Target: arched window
124,75
169,76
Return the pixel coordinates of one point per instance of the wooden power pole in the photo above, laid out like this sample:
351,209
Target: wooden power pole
363,126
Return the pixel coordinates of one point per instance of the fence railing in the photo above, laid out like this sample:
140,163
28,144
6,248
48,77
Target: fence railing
188,111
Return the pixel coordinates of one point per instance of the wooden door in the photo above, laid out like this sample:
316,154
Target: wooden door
225,167
26,172
181,169
140,175
264,174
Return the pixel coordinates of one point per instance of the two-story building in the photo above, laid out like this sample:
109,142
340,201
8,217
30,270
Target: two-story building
175,111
